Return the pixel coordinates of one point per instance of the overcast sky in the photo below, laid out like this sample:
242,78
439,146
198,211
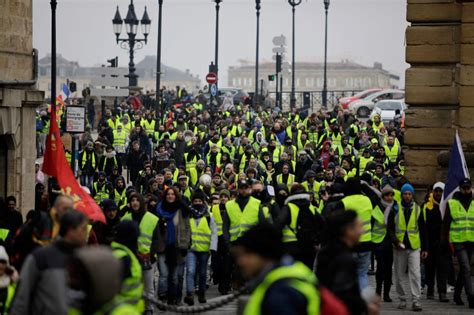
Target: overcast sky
364,31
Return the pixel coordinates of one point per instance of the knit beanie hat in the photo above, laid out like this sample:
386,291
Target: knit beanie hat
408,187
387,189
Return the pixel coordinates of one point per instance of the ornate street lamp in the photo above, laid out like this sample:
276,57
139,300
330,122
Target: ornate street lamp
131,43
216,54
257,7
325,86
294,4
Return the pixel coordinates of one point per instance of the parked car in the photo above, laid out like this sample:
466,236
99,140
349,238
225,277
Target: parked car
363,107
386,109
346,101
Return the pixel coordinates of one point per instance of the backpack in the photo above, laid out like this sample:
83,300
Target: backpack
39,125
308,229
330,303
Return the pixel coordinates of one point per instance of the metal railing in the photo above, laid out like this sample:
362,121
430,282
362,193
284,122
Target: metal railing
311,99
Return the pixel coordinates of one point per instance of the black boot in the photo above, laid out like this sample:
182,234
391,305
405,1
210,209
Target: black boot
430,294
378,289
386,293
443,298
471,301
189,299
202,297
458,300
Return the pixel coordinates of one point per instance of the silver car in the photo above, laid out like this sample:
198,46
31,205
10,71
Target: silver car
363,107
387,109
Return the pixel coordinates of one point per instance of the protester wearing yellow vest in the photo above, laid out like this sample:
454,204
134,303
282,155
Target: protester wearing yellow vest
203,240
383,249
285,177
459,222
283,286
392,150
243,212
124,248
407,229
354,200
220,260
120,139
147,223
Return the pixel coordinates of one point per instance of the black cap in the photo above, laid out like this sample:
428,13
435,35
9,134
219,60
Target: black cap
466,182
243,184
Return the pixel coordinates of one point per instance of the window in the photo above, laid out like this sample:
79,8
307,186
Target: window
49,86
239,82
233,81
245,81
250,82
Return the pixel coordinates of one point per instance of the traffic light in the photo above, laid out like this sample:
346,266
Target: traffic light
278,63
72,86
113,62
271,77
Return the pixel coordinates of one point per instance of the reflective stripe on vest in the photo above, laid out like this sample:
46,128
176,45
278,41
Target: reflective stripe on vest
147,226
362,205
241,221
289,231
379,230
462,224
119,197
299,277
402,228
200,235
149,126
189,164
363,163
132,287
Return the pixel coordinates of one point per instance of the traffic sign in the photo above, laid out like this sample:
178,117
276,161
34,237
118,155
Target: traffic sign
211,78
279,40
279,50
213,90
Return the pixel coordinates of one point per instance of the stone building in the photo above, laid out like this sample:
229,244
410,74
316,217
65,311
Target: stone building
146,70
439,86
18,101
344,75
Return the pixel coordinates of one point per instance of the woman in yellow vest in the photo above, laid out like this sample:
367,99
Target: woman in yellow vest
383,248
203,240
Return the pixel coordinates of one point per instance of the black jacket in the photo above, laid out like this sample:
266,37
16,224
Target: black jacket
337,271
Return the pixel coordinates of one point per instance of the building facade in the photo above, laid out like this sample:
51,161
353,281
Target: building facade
439,86
146,70
19,98
342,76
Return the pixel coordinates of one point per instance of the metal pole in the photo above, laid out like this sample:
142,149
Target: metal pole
276,85
255,98
54,4
132,77
158,57
281,92
325,87
216,61
293,98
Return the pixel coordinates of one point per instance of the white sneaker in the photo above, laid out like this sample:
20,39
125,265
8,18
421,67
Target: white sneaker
450,289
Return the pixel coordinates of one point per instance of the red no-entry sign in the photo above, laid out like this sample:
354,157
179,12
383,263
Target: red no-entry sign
211,78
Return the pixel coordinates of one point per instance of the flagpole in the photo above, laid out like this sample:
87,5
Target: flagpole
53,56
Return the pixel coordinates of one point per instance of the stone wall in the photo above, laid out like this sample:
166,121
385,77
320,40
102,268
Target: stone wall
16,39
18,102
439,84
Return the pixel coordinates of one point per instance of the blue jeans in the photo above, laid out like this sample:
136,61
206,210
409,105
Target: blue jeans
170,282
363,263
196,261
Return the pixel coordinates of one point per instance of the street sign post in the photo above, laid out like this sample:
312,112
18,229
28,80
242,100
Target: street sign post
211,78
213,90
75,123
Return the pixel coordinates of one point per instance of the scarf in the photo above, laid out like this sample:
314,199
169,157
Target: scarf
431,202
168,216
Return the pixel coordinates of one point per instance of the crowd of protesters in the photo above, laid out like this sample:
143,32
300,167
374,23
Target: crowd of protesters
299,203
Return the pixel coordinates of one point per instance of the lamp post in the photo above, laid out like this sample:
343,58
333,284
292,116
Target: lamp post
54,4
325,86
257,7
216,53
293,4
158,55
131,43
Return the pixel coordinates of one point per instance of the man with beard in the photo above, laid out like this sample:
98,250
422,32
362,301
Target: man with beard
119,193
459,214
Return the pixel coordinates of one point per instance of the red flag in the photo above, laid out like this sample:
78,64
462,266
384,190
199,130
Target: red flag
55,164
